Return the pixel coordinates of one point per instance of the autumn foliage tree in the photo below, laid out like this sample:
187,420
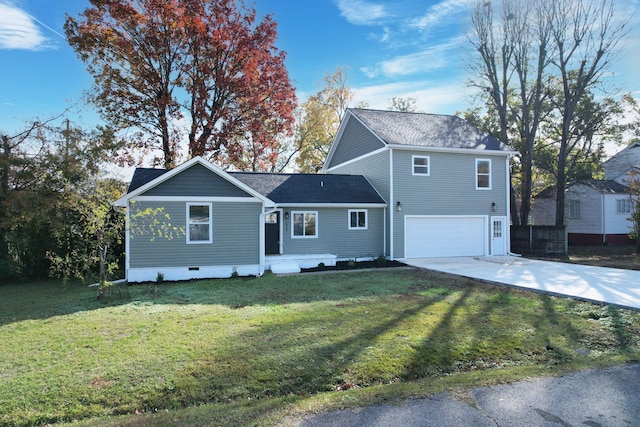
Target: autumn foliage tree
158,62
319,120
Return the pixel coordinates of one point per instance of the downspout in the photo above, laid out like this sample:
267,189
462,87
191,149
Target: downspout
384,235
604,226
391,204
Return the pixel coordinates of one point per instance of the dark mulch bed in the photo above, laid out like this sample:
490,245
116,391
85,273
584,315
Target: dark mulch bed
350,265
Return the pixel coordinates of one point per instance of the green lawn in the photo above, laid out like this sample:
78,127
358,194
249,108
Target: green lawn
267,350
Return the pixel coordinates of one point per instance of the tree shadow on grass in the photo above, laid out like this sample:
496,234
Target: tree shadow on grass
480,334
45,299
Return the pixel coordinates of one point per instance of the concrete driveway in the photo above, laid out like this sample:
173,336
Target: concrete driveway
597,284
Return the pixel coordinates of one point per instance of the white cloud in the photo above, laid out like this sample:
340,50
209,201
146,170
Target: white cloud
361,12
18,30
424,61
433,97
441,12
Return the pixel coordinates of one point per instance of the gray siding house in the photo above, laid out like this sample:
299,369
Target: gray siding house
445,181
398,185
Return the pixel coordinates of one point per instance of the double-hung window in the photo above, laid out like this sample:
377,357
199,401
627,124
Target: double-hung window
420,165
358,219
574,209
623,206
483,174
199,223
304,225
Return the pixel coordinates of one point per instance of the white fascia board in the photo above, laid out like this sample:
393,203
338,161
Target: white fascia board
333,205
173,172
343,125
474,151
195,199
364,156
332,148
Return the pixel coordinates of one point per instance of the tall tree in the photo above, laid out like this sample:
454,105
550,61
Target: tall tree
157,62
135,52
585,35
512,56
241,97
319,119
521,57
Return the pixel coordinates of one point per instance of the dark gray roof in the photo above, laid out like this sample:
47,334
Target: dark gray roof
143,175
604,186
311,188
427,130
291,188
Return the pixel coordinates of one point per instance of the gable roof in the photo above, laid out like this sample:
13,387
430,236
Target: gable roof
622,162
304,189
426,130
283,189
149,178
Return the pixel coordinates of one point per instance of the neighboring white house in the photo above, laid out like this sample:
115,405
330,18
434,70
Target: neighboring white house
596,211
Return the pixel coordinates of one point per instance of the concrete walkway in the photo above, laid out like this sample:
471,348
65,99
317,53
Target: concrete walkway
597,284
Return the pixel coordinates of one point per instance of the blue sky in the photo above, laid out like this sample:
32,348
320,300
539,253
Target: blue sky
407,48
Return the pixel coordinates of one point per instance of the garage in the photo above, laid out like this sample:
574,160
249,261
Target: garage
445,236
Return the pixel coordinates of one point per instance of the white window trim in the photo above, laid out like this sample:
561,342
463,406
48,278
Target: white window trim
625,203
366,219
477,174
413,165
305,213
200,242
572,209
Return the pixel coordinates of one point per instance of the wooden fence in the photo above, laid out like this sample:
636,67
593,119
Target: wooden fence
539,240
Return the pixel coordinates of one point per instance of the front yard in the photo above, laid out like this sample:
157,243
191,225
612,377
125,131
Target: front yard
267,350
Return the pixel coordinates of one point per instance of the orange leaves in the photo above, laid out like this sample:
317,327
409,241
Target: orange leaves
156,62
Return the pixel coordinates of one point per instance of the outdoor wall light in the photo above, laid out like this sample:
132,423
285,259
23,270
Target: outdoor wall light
286,215
398,207
493,206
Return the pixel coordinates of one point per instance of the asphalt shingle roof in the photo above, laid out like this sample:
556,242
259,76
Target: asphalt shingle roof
311,188
143,175
427,130
291,188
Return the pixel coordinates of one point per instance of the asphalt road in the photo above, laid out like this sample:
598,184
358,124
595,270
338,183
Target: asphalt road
596,398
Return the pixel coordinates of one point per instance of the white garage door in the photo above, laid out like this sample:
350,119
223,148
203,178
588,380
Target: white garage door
427,237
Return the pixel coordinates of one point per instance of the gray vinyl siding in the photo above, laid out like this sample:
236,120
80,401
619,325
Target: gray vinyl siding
376,169
590,220
236,238
334,236
197,181
356,140
450,189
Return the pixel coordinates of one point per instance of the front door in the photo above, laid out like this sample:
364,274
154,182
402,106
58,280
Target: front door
498,236
272,234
